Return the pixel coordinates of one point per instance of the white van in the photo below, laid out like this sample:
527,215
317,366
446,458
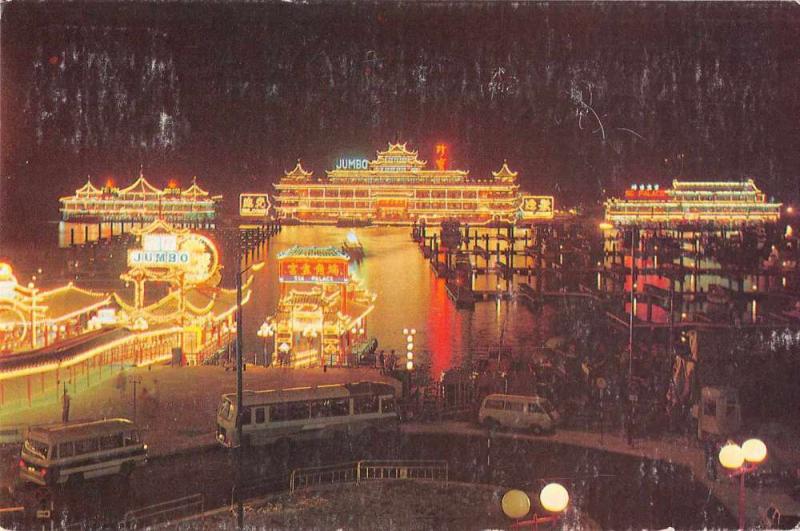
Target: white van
517,411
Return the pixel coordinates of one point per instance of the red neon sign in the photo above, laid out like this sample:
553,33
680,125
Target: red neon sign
441,157
647,195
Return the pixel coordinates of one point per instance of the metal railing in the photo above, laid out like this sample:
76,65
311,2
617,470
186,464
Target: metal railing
419,470
307,478
163,512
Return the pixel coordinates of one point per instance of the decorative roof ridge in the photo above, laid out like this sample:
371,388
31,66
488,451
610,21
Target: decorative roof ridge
194,189
88,188
504,172
298,171
144,184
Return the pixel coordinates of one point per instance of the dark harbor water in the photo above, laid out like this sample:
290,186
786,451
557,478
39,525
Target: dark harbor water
408,293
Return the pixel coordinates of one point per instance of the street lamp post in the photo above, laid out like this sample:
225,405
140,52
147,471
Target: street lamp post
239,385
265,331
553,498
739,461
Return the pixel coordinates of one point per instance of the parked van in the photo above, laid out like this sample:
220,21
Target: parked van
520,412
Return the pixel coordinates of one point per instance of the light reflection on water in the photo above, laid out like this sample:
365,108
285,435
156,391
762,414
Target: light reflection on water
409,296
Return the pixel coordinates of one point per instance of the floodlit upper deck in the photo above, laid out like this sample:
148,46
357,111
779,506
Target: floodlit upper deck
721,202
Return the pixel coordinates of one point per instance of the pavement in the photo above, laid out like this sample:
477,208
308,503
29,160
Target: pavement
176,406
176,410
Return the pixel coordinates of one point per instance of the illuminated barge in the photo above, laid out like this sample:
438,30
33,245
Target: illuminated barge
721,203
396,188
322,311
140,202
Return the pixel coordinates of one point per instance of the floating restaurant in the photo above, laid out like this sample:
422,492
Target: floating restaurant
396,188
719,203
322,310
140,202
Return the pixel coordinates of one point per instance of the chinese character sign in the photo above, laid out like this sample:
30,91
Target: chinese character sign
254,205
537,206
441,157
313,270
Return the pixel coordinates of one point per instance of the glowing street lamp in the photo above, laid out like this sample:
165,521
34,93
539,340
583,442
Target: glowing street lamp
409,333
739,461
553,498
265,331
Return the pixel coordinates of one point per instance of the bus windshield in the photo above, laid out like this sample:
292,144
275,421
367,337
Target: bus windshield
225,409
37,448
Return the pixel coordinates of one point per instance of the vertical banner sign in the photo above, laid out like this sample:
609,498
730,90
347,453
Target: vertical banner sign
441,157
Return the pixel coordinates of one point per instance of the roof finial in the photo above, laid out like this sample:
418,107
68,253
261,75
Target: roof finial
141,169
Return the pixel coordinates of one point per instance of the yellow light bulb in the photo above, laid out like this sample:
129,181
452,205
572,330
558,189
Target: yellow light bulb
755,451
554,497
515,503
731,456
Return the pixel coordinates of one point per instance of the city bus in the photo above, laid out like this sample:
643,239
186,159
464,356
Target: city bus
362,409
58,453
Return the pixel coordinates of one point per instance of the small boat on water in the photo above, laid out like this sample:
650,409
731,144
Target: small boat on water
352,246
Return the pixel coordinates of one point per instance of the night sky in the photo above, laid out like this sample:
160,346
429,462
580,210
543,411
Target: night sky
578,97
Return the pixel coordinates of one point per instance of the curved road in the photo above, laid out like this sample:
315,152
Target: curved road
618,491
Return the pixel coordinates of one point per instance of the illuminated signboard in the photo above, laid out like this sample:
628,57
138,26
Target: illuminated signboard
141,257
192,255
349,163
647,194
254,205
441,157
537,206
313,270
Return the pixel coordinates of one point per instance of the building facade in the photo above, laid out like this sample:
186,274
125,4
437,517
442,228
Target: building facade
397,188
722,203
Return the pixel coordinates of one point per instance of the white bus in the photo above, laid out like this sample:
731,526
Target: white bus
57,453
302,413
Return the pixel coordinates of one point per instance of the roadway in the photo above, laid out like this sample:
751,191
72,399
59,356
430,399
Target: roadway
617,491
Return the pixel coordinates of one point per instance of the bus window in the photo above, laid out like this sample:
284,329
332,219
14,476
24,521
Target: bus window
340,407
131,438
110,442
278,412
86,446
387,405
246,416
298,411
365,404
260,415
493,403
320,408
514,406
66,450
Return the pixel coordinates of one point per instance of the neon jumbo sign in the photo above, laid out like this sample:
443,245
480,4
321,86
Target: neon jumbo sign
348,163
